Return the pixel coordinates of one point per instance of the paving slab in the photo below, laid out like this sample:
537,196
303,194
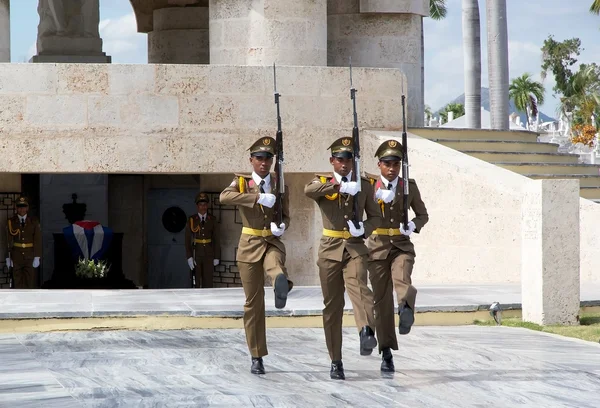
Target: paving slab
464,367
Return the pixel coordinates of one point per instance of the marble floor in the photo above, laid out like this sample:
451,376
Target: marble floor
437,367
305,300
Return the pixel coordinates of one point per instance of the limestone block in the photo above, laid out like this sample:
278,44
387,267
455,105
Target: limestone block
131,79
550,271
4,30
139,110
13,109
83,78
418,7
343,7
28,78
286,32
181,18
56,111
186,80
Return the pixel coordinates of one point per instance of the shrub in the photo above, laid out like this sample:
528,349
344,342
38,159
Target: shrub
584,134
91,269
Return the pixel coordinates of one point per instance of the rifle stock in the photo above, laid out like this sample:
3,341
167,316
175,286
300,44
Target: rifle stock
279,175
404,166
356,152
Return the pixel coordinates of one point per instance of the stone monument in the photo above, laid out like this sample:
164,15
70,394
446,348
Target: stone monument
68,32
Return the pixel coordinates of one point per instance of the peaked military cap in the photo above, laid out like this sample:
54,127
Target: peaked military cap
343,147
389,150
202,197
22,202
263,147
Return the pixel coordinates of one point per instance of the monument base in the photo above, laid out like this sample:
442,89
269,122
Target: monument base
79,59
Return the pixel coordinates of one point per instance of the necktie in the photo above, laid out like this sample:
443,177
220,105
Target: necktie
390,186
262,183
344,179
203,217
22,223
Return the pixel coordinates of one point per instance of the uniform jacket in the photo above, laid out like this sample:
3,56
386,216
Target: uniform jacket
31,234
337,209
244,193
196,230
392,213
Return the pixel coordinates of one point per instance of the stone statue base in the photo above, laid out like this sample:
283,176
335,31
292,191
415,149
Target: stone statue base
70,49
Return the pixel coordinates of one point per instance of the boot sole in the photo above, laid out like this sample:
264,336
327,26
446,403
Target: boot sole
407,319
281,291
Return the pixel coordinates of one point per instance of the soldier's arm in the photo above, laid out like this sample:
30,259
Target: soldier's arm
232,196
418,206
37,240
317,189
216,238
286,208
372,209
188,239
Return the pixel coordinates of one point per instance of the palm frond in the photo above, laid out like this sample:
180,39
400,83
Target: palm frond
437,9
595,7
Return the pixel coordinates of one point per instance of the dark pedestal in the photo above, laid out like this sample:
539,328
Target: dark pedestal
63,276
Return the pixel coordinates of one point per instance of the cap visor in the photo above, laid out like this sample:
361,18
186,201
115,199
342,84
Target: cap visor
343,155
390,158
261,154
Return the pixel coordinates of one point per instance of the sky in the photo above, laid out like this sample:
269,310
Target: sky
529,24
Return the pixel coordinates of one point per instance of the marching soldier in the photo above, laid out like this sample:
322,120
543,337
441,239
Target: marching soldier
260,248
391,253
343,255
202,243
25,246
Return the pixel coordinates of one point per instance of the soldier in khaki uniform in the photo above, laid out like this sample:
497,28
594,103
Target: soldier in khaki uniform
343,255
25,243
260,249
391,253
202,243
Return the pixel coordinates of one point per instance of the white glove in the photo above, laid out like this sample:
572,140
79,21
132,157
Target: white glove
268,200
353,231
350,187
411,228
9,262
385,195
191,262
277,231
215,262
36,261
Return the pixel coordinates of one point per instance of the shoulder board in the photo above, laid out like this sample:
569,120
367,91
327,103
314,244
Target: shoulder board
365,178
411,181
371,176
194,216
326,175
248,176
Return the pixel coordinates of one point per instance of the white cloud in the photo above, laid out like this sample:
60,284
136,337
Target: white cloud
122,41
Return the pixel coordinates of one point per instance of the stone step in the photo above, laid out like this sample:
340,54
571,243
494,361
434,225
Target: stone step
591,193
585,180
474,134
550,168
499,146
524,157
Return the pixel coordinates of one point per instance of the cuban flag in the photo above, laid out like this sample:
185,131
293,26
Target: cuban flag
88,239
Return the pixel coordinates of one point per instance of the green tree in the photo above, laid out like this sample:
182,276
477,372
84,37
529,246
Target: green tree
525,92
438,9
558,58
457,108
583,94
595,7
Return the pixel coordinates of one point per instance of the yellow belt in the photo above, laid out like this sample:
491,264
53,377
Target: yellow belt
202,241
257,232
387,231
18,245
336,234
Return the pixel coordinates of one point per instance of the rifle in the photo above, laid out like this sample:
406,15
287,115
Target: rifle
193,271
404,166
279,177
11,276
356,153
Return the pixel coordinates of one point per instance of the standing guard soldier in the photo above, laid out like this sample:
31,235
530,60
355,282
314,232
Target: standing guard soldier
391,253
343,254
202,243
25,243
260,248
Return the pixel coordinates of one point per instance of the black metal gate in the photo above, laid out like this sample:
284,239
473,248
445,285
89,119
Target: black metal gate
7,210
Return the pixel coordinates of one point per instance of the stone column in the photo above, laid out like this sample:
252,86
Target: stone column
68,32
4,30
179,36
550,246
381,34
285,32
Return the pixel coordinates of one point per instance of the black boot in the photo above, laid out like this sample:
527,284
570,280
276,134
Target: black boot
257,366
387,361
281,288
406,317
367,341
337,370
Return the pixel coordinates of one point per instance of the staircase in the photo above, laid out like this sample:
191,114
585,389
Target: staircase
519,151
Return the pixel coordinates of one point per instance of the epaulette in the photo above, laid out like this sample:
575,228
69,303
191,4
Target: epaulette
247,176
326,175
371,176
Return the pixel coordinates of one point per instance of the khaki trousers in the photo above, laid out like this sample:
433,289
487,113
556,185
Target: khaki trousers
386,275
25,275
253,281
333,275
204,271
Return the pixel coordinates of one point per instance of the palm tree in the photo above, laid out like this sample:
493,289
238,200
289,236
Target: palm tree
497,37
437,11
472,65
526,93
595,7
457,108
